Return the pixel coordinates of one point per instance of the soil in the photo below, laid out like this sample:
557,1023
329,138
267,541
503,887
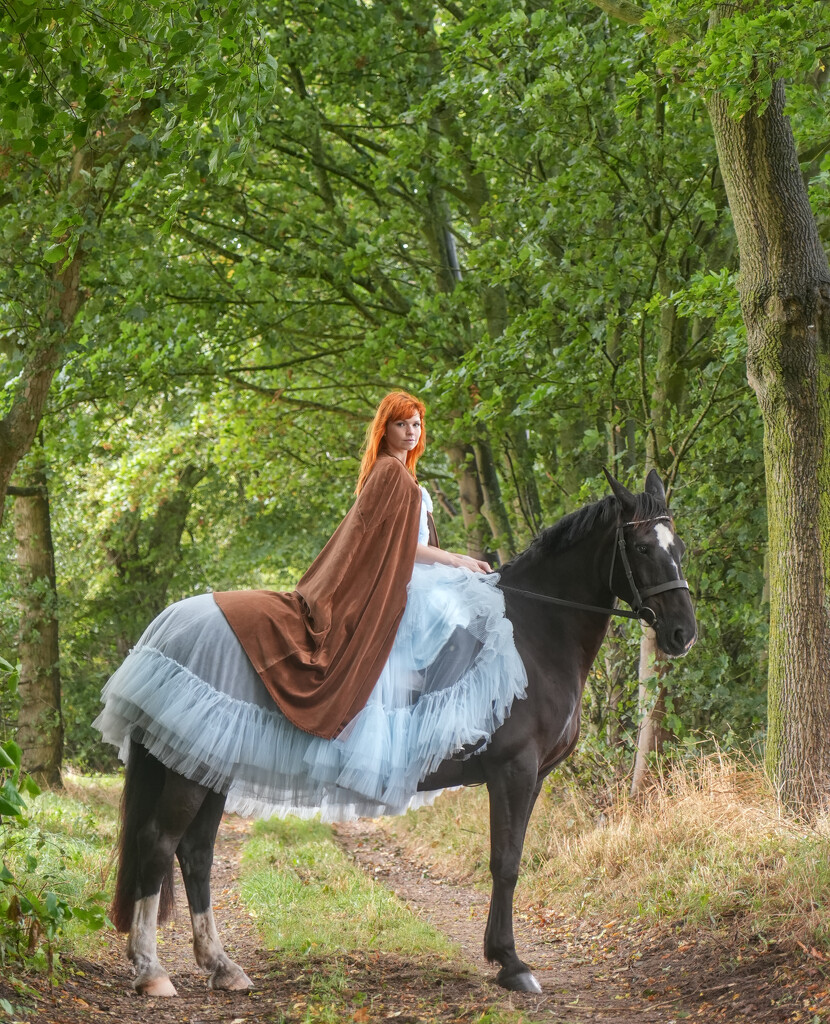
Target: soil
590,970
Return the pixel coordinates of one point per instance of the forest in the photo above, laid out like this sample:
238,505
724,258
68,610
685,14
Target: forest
588,235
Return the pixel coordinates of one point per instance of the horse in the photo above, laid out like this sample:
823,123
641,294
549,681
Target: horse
559,595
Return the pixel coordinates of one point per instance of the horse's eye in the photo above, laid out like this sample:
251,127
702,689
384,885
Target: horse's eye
642,549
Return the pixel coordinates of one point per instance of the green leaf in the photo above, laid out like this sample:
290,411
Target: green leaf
29,786
55,253
12,750
96,100
182,42
93,916
10,794
8,808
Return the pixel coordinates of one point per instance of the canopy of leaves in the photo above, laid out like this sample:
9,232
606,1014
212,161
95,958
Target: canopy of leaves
501,208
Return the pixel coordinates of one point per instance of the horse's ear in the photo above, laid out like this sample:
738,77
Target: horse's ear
626,500
654,487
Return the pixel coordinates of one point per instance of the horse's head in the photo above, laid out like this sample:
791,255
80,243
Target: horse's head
645,570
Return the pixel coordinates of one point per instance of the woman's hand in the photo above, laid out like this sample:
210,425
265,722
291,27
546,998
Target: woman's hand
468,562
427,553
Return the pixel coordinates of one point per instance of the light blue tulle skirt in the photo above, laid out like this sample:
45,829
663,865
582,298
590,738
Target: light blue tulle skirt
188,693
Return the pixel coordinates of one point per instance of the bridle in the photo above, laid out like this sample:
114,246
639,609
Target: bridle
637,607
639,610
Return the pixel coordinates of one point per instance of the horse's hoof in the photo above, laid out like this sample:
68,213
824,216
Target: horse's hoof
230,977
161,987
524,982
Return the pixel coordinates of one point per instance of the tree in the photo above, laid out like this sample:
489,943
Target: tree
92,96
784,288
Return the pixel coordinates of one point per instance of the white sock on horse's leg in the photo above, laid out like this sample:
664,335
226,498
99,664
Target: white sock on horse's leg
151,979
211,956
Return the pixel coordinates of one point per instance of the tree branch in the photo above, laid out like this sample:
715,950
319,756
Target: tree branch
25,492
622,10
631,14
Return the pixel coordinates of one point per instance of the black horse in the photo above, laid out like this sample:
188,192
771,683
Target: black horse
558,595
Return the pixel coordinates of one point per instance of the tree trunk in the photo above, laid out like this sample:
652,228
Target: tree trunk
19,427
617,673
493,507
462,460
666,395
518,458
484,492
652,734
784,289
20,424
39,721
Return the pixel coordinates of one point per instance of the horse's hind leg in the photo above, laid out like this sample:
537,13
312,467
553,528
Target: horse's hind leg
157,839
195,853
513,789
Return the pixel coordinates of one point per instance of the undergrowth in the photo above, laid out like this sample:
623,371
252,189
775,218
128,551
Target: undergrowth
707,848
56,858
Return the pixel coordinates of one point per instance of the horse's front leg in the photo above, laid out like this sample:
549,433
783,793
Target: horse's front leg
157,838
513,788
195,853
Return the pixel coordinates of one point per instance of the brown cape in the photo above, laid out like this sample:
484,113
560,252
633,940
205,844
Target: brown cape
320,648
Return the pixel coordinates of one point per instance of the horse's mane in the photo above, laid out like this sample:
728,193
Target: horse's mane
574,526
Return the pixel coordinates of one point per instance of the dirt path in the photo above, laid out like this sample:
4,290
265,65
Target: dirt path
590,971
607,970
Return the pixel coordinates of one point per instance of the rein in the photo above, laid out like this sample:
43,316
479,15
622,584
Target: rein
638,609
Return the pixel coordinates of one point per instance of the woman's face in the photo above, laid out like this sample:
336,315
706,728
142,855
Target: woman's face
402,436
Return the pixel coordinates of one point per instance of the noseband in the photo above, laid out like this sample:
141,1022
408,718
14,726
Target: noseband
638,609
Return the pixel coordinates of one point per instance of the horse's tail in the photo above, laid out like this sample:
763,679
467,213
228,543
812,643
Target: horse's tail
143,783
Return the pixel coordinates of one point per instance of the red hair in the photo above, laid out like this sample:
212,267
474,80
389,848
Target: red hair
398,405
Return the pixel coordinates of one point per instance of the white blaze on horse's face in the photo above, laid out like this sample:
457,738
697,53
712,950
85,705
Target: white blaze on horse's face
665,537
666,540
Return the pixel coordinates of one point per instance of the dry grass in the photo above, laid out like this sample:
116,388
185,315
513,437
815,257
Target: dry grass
708,848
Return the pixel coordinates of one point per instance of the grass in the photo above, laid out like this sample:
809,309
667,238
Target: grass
307,896
348,947
708,848
77,835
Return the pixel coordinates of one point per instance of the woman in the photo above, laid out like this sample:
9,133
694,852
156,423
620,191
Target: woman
390,656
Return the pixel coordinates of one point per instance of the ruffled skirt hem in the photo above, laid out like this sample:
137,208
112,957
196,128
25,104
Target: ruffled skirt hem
250,751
